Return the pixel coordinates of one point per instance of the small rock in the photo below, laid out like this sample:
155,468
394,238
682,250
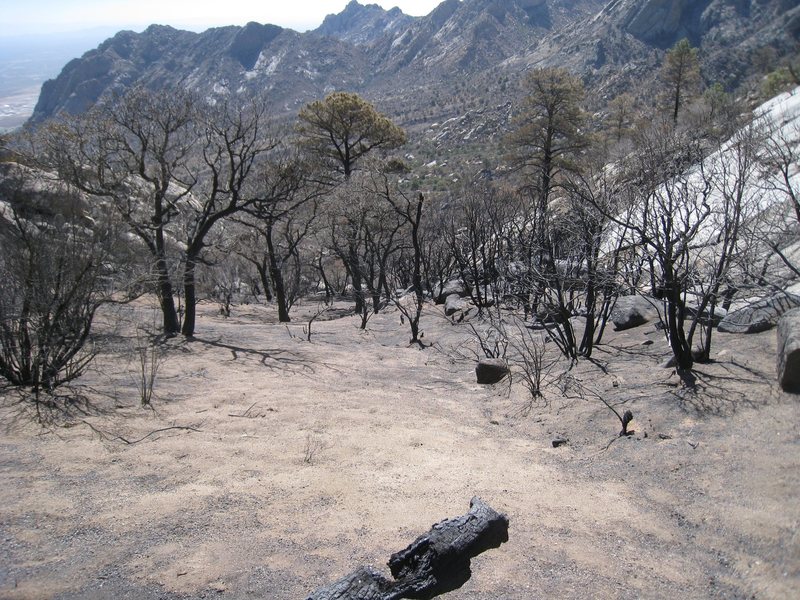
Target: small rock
559,441
491,370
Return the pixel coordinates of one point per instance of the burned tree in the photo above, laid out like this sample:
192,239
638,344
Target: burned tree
409,208
55,273
134,152
235,138
684,213
276,226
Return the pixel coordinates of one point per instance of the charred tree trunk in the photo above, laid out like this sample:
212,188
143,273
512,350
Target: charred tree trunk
676,315
166,300
276,274
164,289
417,275
190,294
325,282
436,563
263,274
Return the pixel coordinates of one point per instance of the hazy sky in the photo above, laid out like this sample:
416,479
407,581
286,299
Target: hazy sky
23,17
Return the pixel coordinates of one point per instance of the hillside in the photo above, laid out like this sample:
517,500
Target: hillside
300,461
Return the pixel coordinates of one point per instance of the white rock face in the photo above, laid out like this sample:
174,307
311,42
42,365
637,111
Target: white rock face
763,191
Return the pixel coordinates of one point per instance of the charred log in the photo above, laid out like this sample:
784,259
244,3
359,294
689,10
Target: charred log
435,563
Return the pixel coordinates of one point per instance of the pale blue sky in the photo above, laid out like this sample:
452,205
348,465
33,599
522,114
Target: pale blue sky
24,17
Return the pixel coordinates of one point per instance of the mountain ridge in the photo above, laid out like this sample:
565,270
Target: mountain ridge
363,24
421,69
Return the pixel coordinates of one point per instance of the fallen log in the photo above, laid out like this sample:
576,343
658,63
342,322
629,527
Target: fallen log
435,563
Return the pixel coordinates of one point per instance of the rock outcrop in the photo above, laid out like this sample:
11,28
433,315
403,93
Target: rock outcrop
453,304
789,351
449,288
705,316
759,316
364,24
663,22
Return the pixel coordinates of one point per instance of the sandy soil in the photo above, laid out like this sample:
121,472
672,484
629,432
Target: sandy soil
300,461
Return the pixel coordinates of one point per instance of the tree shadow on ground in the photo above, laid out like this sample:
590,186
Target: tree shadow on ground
276,359
61,408
720,388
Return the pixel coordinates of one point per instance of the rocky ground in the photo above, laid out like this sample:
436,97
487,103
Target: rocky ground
270,465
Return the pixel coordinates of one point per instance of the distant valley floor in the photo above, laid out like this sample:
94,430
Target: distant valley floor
16,107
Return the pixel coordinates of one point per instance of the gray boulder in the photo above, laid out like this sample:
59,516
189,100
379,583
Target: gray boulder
453,304
454,286
760,315
632,311
491,370
789,350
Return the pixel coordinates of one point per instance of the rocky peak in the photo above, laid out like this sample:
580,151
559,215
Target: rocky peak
661,23
621,47
535,12
250,41
464,35
443,12
363,24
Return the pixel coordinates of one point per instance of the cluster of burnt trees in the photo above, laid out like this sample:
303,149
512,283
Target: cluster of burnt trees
159,192
167,193
688,206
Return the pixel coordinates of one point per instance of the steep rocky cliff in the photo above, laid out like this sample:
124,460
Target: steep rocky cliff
622,47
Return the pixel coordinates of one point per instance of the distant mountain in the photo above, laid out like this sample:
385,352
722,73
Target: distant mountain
464,57
289,67
362,25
